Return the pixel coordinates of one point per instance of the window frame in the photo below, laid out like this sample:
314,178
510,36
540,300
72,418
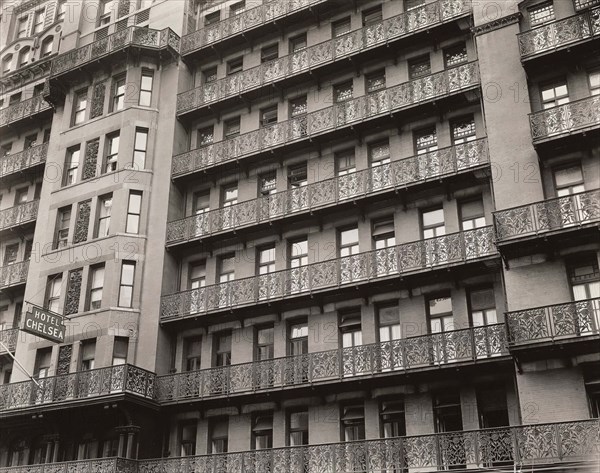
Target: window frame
122,284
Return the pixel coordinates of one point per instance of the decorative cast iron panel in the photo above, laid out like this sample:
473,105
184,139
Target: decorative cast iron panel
90,162
98,94
73,292
83,221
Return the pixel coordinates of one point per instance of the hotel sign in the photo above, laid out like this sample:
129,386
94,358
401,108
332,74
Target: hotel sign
45,324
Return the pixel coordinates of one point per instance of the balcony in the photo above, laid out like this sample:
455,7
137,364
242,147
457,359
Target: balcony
98,383
327,52
345,364
23,110
98,465
561,214
555,323
332,192
560,34
19,215
13,274
564,120
512,446
24,160
9,338
242,24
133,37
339,116
351,271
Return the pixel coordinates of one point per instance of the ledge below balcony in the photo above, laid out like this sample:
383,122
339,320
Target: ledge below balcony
24,110
562,121
348,272
514,447
341,116
74,388
13,275
382,33
19,215
561,220
560,34
331,193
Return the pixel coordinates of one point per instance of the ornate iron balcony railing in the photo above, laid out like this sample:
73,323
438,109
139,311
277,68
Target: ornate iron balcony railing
19,214
521,445
24,109
97,465
80,385
352,43
25,159
146,38
548,215
402,355
451,81
451,249
9,337
268,12
13,274
562,120
416,169
559,321
560,33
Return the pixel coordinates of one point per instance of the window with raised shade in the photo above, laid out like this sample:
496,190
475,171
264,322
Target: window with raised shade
372,16
134,211
227,268
63,222
205,136
298,253
118,93
212,18
219,433
140,147
265,339
104,214
53,289
433,223
419,67
38,21
298,428
540,14
268,116
376,81
568,180
554,94
87,360
126,284
235,65
22,27
340,27
348,242
392,418
112,153
266,260
353,422
96,287
463,130
146,88
594,82
197,275
104,11
267,184
482,304
439,311
388,318
455,55
209,75
187,435
384,233
262,431
298,43
379,153
343,92
472,214
269,53
192,347
232,127
222,342
120,347
237,8
426,140
345,162
79,106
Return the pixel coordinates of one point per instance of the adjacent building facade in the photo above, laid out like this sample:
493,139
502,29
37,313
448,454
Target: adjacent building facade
306,235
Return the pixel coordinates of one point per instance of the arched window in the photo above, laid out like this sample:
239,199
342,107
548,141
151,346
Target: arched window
47,46
7,63
24,56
